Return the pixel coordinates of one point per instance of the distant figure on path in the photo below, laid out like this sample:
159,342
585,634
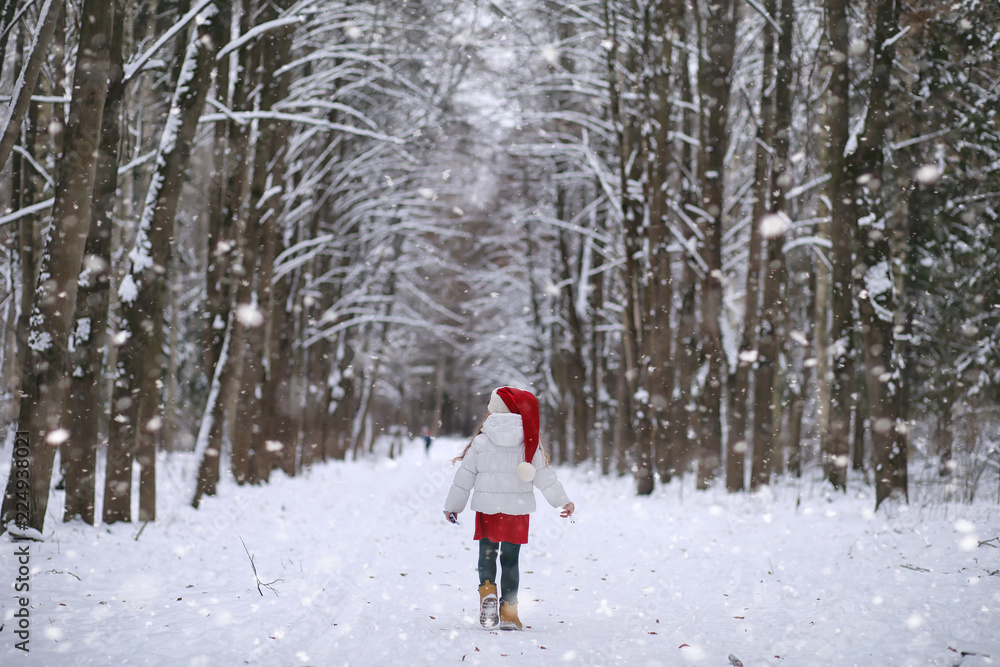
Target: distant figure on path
502,465
427,442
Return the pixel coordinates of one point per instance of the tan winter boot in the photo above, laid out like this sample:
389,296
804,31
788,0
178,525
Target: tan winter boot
488,605
508,617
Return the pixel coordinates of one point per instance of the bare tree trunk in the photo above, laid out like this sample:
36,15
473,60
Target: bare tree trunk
623,425
21,262
277,389
228,194
313,364
171,389
878,309
88,396
859,460
821,340
660,289
836,445
438,398
633,412
560,402
7,9
559,405
304,372
249,463
574,393
799,391
793,436
221,400
764,408
46,372
767,390
29,239
232,256
944,433
339,419
632,333
683,427
603,447
738,444
144,296
57,120
576,368
24,87
43,146
714,75
267,356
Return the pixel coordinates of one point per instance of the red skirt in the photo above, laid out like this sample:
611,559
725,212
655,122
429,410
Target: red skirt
511,528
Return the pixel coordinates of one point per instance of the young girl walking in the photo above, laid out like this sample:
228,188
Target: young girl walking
500,467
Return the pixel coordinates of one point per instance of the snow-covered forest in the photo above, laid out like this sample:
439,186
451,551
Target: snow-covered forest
746,253
736,240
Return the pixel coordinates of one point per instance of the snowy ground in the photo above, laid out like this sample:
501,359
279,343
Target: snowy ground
363,570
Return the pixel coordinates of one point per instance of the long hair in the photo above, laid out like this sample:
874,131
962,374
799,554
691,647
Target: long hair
479,429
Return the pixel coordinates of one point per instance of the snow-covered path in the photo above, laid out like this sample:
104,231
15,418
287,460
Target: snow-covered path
363,570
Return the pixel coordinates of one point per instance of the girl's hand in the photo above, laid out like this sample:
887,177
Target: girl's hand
452,517
567,510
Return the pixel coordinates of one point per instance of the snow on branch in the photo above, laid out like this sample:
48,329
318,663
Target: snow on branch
226,111
14,216
298,254
604,239
26,211
328,106
257,31
601,127
767,16
17,17
922,138
895,38
365,319
13,115
805,187
135,67
297,118
807,241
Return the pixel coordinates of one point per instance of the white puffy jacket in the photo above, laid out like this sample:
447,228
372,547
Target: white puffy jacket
489,469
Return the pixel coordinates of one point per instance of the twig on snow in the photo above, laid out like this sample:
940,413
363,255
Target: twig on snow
260,583
139,534
915,568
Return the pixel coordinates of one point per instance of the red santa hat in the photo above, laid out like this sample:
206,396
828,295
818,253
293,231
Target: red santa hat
524,403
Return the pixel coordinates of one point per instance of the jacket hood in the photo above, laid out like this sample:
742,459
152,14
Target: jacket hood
504,429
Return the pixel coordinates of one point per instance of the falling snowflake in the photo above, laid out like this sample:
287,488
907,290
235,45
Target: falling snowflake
773,225
551,54
249,315
57,437
928,174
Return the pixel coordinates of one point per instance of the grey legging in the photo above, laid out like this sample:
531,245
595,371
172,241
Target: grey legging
510,576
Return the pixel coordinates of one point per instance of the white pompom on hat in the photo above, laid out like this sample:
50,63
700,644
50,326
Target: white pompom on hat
524,403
